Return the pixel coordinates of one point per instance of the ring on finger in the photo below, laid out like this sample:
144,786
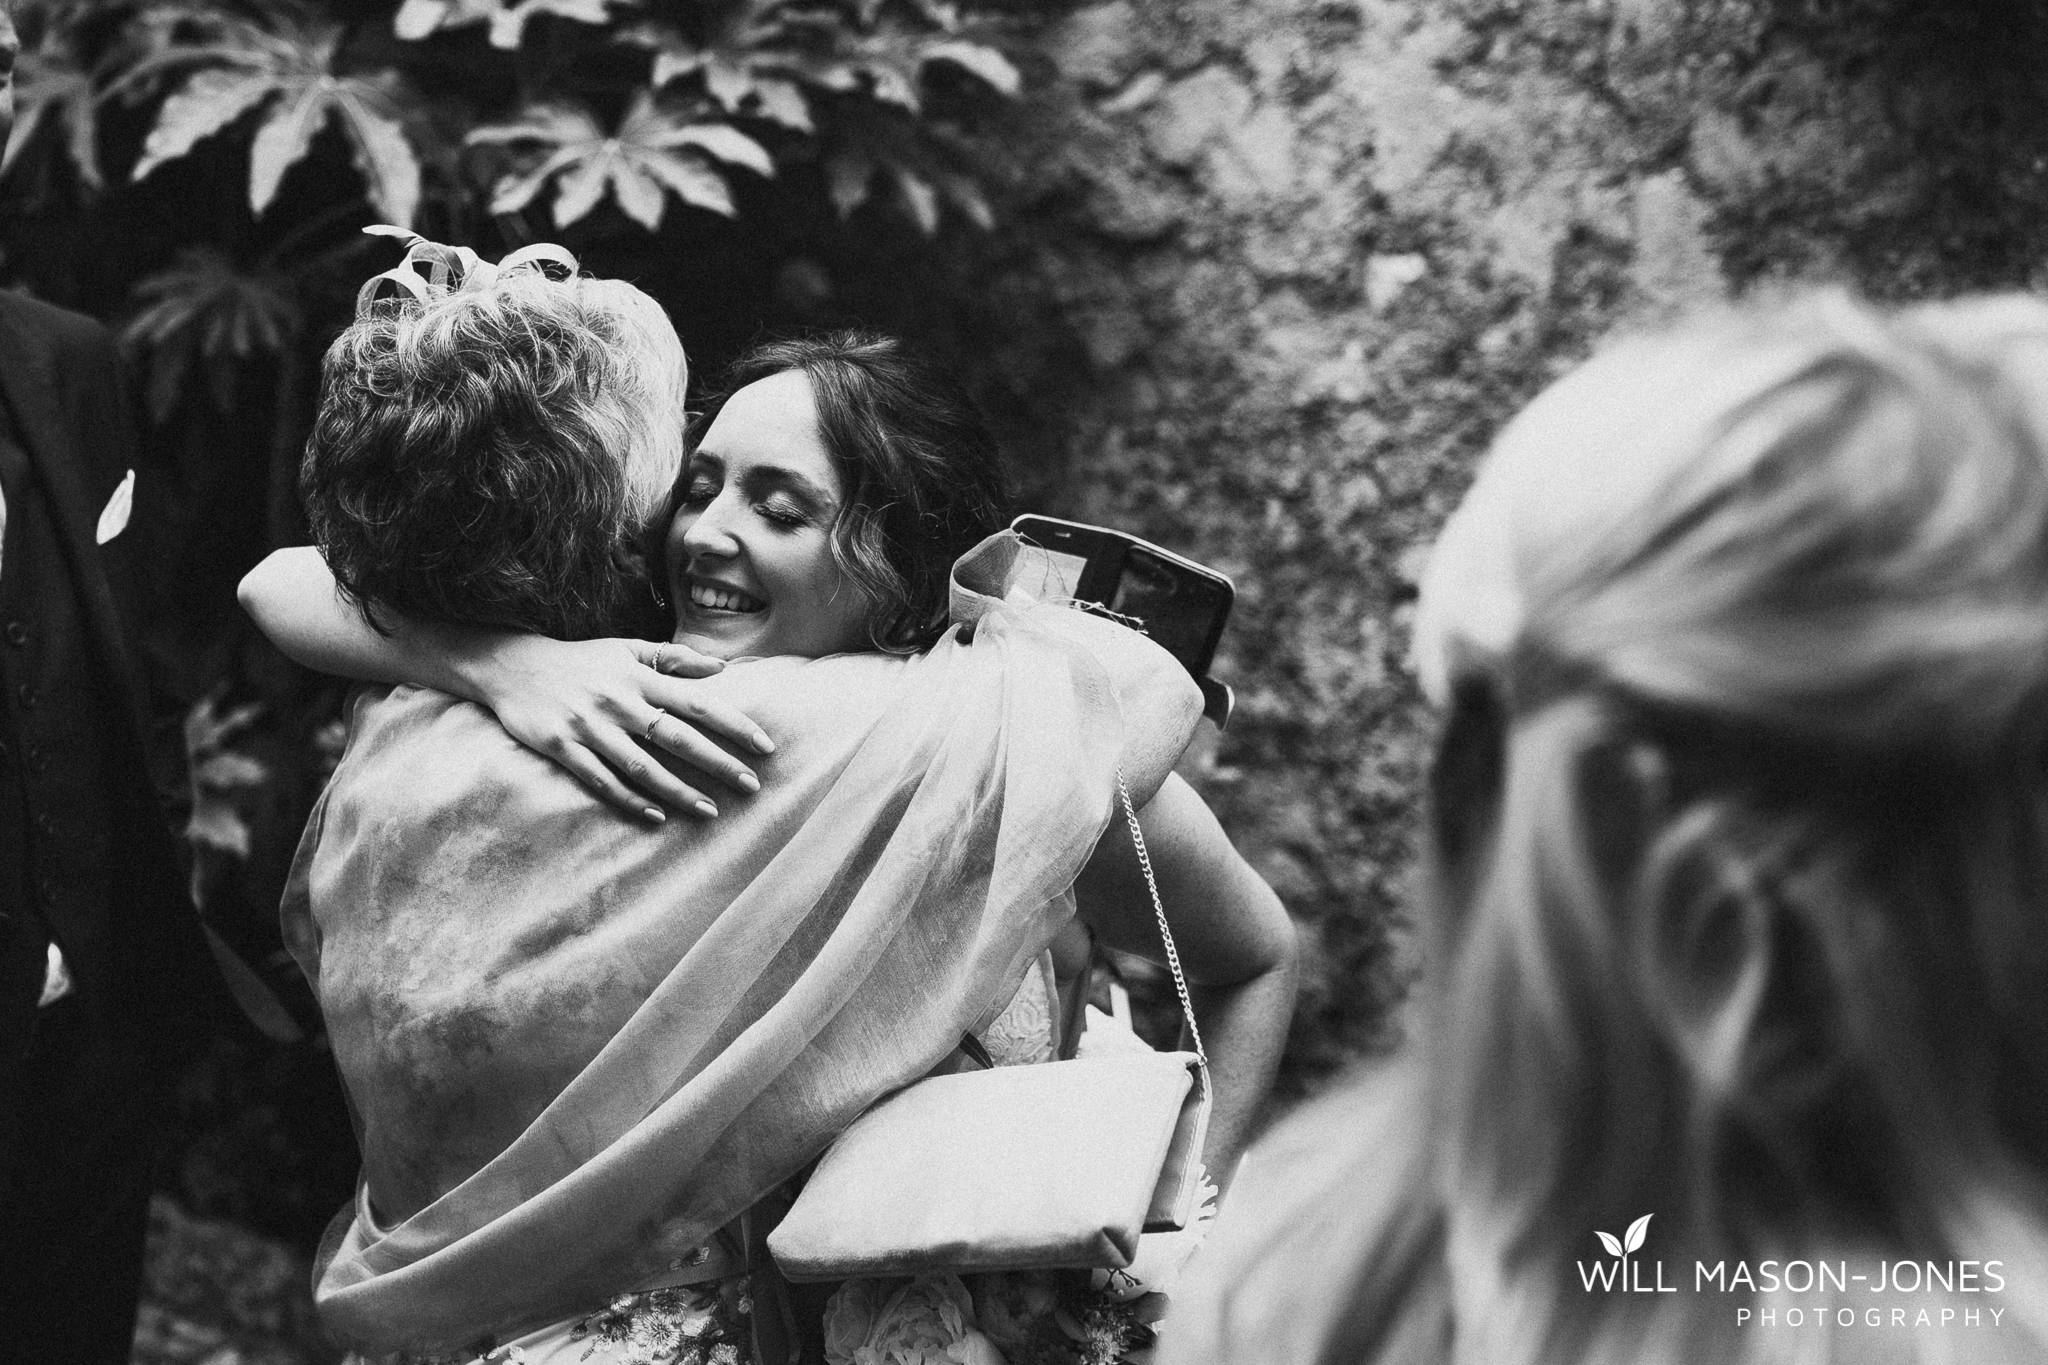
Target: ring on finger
659,717
658,667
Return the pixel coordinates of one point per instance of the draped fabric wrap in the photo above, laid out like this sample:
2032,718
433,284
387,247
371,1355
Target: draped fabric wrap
575,1046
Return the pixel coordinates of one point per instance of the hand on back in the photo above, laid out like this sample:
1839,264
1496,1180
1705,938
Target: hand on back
601,708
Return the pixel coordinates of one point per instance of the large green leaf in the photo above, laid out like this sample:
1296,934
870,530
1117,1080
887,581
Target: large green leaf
988,63
885,56
927,167
418,18
651,151
287,65
51,87
383,155
745,61
207,103
865,62
284,139
205,310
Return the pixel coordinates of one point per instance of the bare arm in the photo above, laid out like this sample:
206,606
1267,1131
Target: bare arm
1236,945
588,705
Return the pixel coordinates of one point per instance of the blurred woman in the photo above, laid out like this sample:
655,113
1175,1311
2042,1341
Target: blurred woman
1736,1042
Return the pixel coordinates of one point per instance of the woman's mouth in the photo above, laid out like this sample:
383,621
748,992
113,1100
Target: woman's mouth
717,597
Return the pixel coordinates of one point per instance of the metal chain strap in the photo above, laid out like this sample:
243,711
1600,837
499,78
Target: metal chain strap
1180,982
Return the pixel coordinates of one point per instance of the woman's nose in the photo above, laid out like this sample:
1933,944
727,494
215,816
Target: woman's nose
710,532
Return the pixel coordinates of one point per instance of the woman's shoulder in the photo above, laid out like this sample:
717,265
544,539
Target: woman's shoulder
1329,1221
833,691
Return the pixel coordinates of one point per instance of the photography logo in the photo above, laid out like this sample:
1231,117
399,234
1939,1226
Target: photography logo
1622,1274
1816,1294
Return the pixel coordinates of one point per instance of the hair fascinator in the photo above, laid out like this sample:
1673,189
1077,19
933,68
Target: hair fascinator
431,271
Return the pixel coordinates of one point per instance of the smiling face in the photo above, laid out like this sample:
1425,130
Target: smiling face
750,563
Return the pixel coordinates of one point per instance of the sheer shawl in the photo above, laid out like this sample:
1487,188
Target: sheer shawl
576,1046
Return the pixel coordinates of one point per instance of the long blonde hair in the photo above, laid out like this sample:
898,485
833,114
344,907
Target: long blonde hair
1740,832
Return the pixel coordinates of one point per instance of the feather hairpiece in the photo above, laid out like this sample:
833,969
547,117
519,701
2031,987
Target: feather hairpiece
451,268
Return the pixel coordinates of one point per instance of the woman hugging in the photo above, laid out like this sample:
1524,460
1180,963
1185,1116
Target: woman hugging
586,1045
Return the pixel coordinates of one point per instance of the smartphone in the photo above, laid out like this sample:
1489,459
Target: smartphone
1180,604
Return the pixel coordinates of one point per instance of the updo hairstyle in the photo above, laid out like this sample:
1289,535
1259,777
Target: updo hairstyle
492,456
1740,817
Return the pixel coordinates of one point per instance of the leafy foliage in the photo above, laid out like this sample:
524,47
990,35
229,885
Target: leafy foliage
475,112
204,310
774,60
753,84
219,775
52,88
418,18
651,152
284,64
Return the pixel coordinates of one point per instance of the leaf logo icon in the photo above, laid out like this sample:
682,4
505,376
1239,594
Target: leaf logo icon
1607,1240
1633,1239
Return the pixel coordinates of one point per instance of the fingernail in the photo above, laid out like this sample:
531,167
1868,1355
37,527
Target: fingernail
763,743
653,816
749,781
706,809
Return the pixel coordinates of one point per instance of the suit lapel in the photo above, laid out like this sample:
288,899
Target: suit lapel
28,381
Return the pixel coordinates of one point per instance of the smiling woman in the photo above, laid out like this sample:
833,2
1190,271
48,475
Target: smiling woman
837,480
749,546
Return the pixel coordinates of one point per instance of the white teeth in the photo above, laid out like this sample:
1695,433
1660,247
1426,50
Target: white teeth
720,599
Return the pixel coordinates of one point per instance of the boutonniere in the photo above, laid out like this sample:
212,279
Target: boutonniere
114,516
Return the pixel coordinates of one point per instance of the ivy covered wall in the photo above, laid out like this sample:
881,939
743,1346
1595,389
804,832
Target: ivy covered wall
1276,271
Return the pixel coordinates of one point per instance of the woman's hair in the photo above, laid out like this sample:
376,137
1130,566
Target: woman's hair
493,456
924,480
1740,833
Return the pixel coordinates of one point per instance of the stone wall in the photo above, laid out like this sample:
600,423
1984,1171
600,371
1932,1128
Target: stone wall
1283,268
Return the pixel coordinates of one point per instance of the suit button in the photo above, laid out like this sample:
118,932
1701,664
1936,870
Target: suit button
27,696
17,634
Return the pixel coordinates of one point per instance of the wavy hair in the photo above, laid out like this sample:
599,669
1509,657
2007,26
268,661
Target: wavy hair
924,478
492,456
1739,840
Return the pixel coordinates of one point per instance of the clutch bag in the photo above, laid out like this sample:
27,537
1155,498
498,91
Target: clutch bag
1057,1165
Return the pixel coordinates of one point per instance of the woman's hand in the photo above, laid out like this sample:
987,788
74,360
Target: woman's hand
589,705
595,707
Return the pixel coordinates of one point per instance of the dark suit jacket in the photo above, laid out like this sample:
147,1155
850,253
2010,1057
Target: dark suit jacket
61,378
